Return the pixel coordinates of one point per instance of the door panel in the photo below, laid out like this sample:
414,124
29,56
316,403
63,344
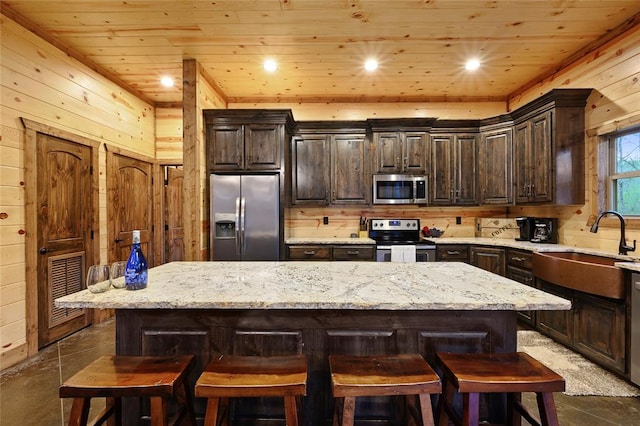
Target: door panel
64,232
174,224
130,207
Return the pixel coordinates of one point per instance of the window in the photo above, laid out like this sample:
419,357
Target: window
624,195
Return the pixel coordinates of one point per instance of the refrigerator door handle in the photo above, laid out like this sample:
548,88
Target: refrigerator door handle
243,220
238,221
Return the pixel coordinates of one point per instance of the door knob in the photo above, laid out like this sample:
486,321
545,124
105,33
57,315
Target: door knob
118,240
43,250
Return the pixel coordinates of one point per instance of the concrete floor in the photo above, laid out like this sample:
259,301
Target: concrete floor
29,391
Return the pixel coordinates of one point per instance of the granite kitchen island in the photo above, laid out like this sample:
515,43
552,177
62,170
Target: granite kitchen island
317,309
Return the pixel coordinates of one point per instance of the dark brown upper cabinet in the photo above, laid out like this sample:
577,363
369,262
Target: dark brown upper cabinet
495,164
239,140
329,164
454,165
400,145
549,153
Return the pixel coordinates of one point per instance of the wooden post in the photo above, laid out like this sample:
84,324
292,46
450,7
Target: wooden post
191,161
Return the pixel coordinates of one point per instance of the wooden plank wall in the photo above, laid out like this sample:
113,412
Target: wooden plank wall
43,84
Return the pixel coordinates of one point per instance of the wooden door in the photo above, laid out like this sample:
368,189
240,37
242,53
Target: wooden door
349,183
225,145
173,217
310,169
263,146
415,152
388,151
466,170
130,205
441,170
541,158
494,167
64,176
522,149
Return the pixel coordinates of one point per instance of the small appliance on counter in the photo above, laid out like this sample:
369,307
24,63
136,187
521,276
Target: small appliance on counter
527,226
545,231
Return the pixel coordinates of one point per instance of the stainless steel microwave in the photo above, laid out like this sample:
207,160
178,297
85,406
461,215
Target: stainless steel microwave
399,189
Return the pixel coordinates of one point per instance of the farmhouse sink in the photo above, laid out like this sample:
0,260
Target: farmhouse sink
583,272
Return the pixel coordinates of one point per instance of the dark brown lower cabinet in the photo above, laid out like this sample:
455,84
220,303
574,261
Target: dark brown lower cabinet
594,327
316,333
599,330
526,277
490,259
556,324
360,252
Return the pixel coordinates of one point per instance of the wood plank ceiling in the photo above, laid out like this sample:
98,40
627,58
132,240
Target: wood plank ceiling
321,45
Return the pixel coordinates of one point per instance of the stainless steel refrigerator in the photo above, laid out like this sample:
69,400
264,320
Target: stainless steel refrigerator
245,223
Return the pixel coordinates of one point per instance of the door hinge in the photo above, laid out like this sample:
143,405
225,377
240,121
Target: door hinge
92,234
166,226
91,170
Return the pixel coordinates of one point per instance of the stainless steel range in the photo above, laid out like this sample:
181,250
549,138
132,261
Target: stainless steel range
391,234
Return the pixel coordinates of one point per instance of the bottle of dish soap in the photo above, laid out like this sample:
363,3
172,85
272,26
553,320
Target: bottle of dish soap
135,273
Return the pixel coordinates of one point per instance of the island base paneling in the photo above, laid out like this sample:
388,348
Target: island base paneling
315,333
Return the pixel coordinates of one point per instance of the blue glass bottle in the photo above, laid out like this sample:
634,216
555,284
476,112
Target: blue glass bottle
135,273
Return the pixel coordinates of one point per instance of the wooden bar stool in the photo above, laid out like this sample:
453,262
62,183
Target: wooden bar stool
511,373
253,376
115,377
384,375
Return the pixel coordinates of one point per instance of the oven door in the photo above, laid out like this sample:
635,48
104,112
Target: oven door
424,253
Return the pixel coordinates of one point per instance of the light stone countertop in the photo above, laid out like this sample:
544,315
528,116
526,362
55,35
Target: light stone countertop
322,285
631,266
329,240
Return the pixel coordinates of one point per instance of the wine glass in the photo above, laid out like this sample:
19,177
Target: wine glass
98,278
117,274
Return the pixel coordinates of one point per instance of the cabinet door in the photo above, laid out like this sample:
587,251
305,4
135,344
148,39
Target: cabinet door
349,183
521,142
262,146
414,152
490,259
441,189
599,330
310,169
557,324
540,166
309,252
494,167
523,276
387,157
452,253
354,252
465,174
226,147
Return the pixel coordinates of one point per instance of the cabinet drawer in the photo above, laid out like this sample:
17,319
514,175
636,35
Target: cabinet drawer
452,253
351,252
309,252
520,259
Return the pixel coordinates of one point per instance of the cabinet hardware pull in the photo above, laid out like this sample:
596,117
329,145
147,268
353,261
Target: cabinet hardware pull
353,252
451,253
518,259
309,252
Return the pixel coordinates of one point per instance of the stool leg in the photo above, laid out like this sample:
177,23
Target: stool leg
185,403
547,408
349,411
79,411
425,409
470,408
211,415
158,411
290,411
513,415
445,398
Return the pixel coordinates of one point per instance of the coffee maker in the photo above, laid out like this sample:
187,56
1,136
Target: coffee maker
527,228
545,230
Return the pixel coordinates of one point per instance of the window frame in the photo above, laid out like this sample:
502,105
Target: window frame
610,174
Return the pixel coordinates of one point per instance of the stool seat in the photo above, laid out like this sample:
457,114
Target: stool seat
384,375
115,377
253,376
512,373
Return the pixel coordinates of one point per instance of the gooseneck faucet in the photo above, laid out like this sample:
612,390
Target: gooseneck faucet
623,248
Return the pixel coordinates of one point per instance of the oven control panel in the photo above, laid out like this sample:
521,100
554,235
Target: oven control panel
395,224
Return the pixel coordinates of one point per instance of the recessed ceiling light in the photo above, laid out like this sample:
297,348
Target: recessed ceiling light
371,65
166,81
270,65
472,64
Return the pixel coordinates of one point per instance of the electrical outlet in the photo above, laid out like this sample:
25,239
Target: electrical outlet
325,220
458,220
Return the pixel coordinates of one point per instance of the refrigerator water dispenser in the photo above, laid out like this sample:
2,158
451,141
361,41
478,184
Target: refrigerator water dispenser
225,225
